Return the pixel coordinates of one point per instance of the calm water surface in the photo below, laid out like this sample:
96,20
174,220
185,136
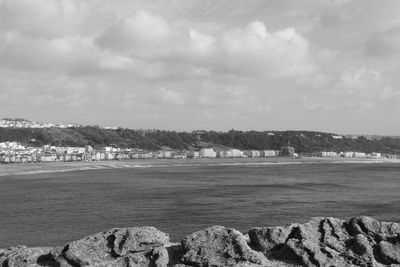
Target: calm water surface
52,209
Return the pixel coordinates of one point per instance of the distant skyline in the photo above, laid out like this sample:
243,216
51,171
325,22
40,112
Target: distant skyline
330,66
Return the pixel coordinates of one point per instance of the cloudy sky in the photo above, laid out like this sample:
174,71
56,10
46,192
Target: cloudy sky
328,65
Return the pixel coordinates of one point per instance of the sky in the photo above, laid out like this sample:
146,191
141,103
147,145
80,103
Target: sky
328,65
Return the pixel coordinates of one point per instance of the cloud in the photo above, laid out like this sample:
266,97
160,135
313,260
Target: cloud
249,50
45,90
254,51
167,97
212,94
384,44
115,62
146,41
357,91
71,54
367,87
339,2
200,43
61,36
206,95
360,80
143,59
278,54
229,65
48,18
141,34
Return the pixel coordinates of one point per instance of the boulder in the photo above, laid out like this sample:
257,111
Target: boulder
319,242
364,225
389,252
361,241
389,230
361,245
22,256
118,247
267,238
220,246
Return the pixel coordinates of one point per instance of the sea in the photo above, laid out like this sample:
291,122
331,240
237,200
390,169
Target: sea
51,209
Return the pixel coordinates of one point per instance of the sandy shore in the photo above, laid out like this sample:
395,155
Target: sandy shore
33,168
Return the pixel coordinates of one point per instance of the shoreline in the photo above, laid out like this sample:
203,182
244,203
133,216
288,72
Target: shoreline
59,167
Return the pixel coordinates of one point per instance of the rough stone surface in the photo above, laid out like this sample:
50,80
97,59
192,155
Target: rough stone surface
360,241
364,225
389,252
219,246
120,247
22,256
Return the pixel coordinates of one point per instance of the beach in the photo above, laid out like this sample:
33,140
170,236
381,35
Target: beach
54,167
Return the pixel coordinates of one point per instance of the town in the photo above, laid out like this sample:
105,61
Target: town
13,152
23,123
28,152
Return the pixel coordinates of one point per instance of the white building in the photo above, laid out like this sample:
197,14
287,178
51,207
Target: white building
376,155
354,154
234,153
359,155
109,156
164,154
207,153
327,154
141,155
253,153
268,153
348,154
230,153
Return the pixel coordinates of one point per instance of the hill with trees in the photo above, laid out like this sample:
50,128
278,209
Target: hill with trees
303,141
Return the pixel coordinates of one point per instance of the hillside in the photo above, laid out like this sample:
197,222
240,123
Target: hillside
303,141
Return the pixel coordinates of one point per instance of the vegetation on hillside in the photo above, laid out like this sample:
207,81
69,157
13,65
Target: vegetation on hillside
303,141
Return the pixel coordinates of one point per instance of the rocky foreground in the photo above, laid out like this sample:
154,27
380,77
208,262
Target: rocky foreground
361,241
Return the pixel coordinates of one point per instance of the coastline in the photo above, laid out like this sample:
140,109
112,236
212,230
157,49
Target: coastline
57,167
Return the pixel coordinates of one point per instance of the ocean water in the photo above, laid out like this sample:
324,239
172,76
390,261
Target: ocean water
49,209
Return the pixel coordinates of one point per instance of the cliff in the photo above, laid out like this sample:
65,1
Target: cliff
360,241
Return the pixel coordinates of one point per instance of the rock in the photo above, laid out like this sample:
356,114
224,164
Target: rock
220,246
319,242
363,248
22,256
389,230
265,239
364,225
334,234
389,252
132,244
361,245
361,241
161,257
